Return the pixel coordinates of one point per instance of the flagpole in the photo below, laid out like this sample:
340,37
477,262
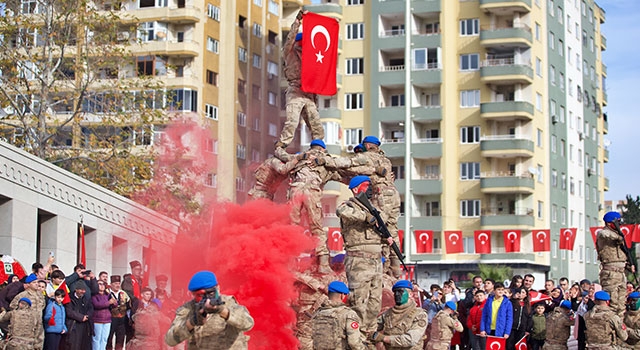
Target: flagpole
407,131
83,250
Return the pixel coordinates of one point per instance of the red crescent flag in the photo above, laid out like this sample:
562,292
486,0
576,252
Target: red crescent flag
453,242
83,250
512,240
496,343
522,344
536,297
627,231
319,54
482,240
335,241
594,233
567,238
541,240
424,241
401,240
636,234
67,298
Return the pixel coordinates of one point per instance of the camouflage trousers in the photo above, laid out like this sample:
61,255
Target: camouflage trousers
364,275
614,282
257,192
302,104
388,200
305,200
548,346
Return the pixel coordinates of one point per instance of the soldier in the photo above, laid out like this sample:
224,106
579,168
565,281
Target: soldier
305,194
336,326
363,246
312,295
24,326
150,324
118,313
269,175
558,327
609,244
632,319
209,324
404,325
442,327
34,293
605,329
298,101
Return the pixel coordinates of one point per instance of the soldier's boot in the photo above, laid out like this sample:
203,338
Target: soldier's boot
323,265
394,267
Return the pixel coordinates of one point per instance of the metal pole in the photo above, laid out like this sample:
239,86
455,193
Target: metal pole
407,130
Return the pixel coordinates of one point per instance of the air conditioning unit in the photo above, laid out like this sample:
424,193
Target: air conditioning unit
591,172
123,36
350,148
554,119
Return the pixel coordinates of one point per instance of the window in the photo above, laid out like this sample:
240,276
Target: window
538,101
151,66
469,62
538,29
256,91
552,41
469,171
355,2
568,23
561,81
539,138
540,210
240,185
562,148
274,8
538,67
470,98
561,114
355,66
257,61
242,54
554,249
397,100
550,8
272,69
469,27
432,208
211,146
470,208
272,97
211,111
273,129
470,134
183,100
563,215
241,151
257,2
257,30
552,74
241,118
242,86
591,44
256,124
213,12
554,178
355,31
553,143
540,173
560,47
212,78
212,45
572,186
554,213
211,180
560,15
353,101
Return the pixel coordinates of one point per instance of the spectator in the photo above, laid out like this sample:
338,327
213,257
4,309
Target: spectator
57,277
539,327
101,316
549,285
474,319
564,286
435,303
630,288
54,320
8,293
585,284
470,292
118,314
132,283
81,273
556,296
527,281
104,277
521,317
79,311
586,304
489,286
451,293
516,282
151,325
497,315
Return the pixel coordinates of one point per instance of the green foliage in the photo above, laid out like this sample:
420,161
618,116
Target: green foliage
631,212
498,273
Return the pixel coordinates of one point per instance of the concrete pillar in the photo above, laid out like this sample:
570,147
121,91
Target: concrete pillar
98,244
59,235
18,231
119,262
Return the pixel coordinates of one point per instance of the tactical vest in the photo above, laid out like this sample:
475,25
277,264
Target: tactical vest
556,331
439,332
599,329
632,320
609,251
378,160
24,323
328,328
358,233
393,327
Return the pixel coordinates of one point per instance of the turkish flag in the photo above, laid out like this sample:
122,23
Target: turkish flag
512,240
334,239
424,241
319,54
482,242
594,233
567,238
453,241
541,240
636,234
536,297
401,240
67,298
627,231
522,344
496,343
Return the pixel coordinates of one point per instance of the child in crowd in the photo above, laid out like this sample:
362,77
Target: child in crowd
54,317
538,334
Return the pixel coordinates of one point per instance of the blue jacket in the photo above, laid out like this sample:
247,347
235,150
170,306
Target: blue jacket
58,320
504,320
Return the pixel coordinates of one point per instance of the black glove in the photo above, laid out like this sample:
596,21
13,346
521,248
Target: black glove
320,161
299,15
376,337
197,315
382,171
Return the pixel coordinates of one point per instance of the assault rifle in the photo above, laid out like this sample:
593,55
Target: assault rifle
626,251
381,227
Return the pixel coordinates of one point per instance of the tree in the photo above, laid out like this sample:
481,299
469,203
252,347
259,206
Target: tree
71,92
631,211
498,273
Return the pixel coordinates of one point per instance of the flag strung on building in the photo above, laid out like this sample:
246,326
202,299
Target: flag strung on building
319,54
482,240
567,238
628,231
512,240
594,233
453,242
83,249
424,241
541,240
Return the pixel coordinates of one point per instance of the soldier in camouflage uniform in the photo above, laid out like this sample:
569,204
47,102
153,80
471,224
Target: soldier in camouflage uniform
149,325
298,101
269,175
336,326
208,326
34,294
24,327
442,327
632,321
403,326
305,195
312,289
613,262
604,328
363,261
559,324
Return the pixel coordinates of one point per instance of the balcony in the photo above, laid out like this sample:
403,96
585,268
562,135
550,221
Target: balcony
392,75
606,184
428,74
330,113
426,222
506,110
504,71
426,40
605,98
178,15
505,146
496,219
603,42
422,186
423,149
605,125
604,69
427,113
500,183
390,39
499,37
326,9
425,6
188,80
605,155
505,6
186,48
506,257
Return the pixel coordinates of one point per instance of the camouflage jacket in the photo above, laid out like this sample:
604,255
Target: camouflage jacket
405,325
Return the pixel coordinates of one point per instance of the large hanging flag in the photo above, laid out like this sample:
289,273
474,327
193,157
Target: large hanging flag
482,240
335,241
567,238
319,54
594,233
453,241
83,249
424,241
401,240
541,240
512,240
627,231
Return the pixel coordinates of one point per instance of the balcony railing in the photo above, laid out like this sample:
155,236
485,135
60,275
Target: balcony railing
506,27
425,66
495,211
430,140
394,68
391,33
502,137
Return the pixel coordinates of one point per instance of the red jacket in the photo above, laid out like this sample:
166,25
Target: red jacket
475,317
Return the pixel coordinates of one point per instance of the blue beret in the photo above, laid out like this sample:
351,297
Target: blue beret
358,148
338,259
611,216
451,305
634,295
357,180
26,300
602,295
298,36
402,284
202,280
371,139
338,287
318,142
32,277
566,304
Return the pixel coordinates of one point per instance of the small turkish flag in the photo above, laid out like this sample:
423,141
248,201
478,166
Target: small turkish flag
335,241
541,240
319,54
512,241
401,240
567,238
453,241
536,297
424,241
482,242
627,231
496,343
594,233
522,344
